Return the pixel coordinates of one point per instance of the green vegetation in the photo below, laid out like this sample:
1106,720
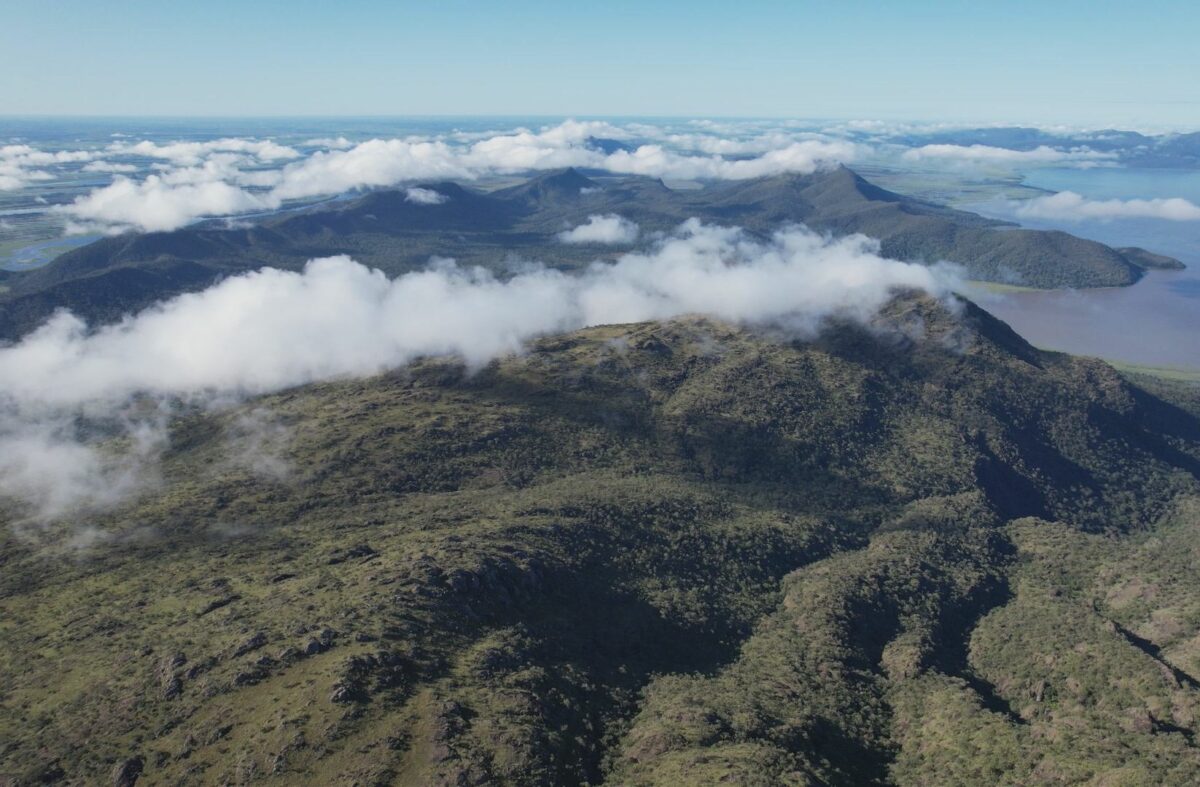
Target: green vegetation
920,552
1160,372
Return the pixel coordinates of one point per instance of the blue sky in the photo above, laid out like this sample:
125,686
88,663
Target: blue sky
1131,64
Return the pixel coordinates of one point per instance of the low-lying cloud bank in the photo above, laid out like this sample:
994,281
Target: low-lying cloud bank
156,204
273,329
19,163
610,229
237,166
986,154
192,153
1069,206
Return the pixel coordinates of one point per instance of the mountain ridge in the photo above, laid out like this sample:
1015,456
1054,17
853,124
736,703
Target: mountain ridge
386,229
656,553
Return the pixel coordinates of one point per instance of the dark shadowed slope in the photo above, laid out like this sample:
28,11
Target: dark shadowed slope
678,553
388,230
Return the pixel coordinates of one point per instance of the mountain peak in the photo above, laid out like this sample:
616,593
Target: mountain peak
550,187
569,178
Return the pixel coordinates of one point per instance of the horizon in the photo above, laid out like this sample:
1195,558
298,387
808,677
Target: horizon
921,124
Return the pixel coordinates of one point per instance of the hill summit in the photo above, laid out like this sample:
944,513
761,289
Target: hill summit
916,551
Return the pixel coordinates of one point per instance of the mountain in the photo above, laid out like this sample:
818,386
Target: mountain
390,230
841,202
915,552
553,189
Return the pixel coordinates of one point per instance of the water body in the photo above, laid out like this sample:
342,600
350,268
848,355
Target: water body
38,254
1156,322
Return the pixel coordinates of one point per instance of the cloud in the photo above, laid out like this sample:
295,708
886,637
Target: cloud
108,166
335,143
190,153
376,162
741,145
17,161
12,177
610,229
46,465
227,176
798,157
988,154
1075,207
255,441
156,204
32,157
419,196
272,329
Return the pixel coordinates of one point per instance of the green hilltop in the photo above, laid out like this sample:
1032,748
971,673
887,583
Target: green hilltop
915,552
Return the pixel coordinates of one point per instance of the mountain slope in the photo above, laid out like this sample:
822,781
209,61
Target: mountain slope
649,554
389,230
842,202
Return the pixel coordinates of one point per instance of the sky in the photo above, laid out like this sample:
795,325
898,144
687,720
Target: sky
1098,63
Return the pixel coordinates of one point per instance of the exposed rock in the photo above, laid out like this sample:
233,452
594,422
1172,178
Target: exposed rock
169,682
358,551
255,641
216,604
126,773
172,687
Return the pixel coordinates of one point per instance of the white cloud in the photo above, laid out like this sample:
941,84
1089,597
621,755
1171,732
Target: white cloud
156,205
797,157
388,162
739,145
273,329
191,153
270,329
610,229
376,162
419,196
334,143
987,154
1071,206
223,174
108,166
17,162
32,157
553,147
44,464
12,177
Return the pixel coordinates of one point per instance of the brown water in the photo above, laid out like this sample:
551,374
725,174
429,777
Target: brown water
1156,322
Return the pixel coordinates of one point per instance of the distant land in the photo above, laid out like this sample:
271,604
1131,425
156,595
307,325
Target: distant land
390,231
1132,148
